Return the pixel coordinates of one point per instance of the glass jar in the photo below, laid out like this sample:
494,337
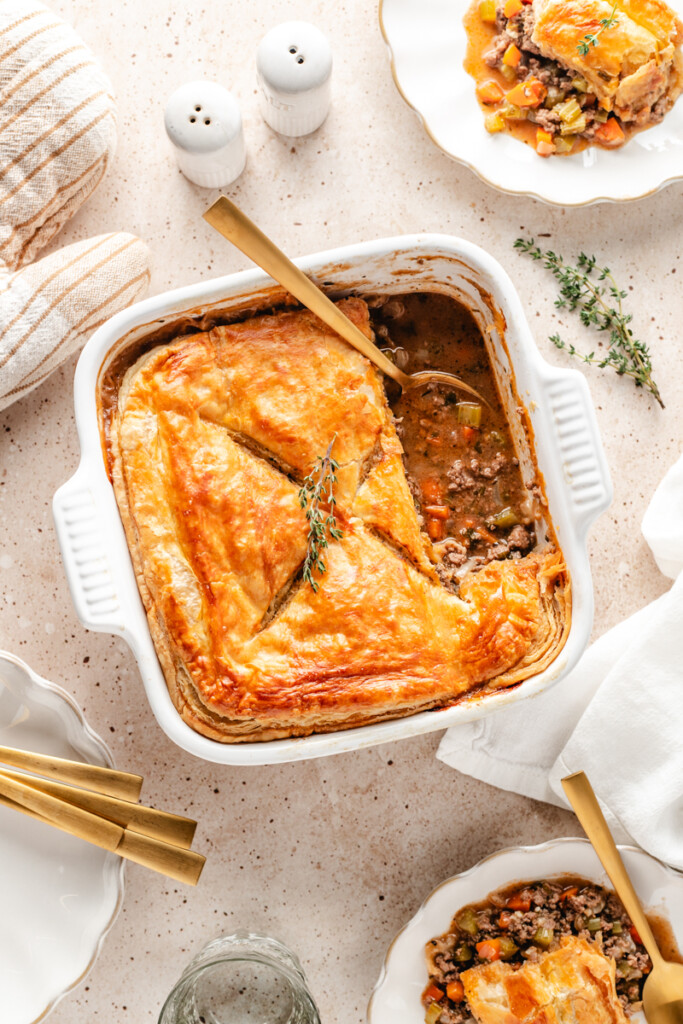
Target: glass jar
243,978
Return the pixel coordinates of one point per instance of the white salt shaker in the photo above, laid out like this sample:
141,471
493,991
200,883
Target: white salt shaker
204,123
294,65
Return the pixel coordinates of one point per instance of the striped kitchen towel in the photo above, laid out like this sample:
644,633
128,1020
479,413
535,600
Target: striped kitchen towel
57,137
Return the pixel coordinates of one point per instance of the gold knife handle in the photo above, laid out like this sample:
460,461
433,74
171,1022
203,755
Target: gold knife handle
182,865
172,828
587,809
234,225
91,776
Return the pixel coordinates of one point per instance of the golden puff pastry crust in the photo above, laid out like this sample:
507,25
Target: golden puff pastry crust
574,984
211,438
635,64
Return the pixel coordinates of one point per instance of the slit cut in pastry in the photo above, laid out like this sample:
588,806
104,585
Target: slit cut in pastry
211,438
635,63
574,984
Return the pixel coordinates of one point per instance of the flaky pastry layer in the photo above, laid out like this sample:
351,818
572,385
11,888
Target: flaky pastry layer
574,984
635,61
211,439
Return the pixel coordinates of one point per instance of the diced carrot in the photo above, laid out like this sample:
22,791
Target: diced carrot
485,534
512,56
469,434
568,893
519,902
431,490
635,936
435,528
432,993
527,94
610,133
490,92
504,919
512,7
489,949
545,148
543,136
455,991
437,511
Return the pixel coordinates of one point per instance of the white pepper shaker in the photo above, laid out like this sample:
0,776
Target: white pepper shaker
204,123
294,65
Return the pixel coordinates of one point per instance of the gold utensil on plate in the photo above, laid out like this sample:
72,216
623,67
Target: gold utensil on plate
171,828
234,225
181,864
663,991
90,776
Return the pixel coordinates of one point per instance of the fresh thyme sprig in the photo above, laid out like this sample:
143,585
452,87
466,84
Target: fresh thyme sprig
600,307
317,498
591,38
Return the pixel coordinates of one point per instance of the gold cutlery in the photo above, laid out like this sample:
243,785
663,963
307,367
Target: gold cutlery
663,991
234,225
171,828
181,864
90,776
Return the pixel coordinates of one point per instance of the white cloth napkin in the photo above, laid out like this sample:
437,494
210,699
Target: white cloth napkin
618,715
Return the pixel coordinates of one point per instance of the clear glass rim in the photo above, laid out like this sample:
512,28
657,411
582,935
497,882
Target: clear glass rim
291,972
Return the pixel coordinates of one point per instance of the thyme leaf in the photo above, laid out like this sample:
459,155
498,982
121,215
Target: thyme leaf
316,497
592,291
591,38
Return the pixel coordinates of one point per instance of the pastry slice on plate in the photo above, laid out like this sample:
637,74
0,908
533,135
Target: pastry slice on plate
574,984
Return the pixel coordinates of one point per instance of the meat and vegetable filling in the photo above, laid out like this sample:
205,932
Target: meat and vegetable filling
553,105
459,457
524,921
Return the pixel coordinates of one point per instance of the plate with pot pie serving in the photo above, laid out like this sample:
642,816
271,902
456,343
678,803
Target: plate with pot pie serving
530,934
569,101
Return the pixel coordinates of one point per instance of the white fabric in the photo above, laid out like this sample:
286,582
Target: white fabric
618,715
57,137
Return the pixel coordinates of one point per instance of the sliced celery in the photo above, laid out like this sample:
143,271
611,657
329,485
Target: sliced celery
593,924
506,517
580,84
576,127
564,145
469,414
508,73
507,947
569,111
464,953
467,922
543,937
433,1013
512,113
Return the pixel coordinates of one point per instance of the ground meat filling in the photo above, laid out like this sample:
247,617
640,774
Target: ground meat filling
522,923
563,108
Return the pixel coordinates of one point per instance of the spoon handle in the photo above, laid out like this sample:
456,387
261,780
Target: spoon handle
234,225
587,809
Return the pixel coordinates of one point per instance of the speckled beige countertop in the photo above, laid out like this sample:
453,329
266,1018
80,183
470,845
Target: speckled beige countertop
331,855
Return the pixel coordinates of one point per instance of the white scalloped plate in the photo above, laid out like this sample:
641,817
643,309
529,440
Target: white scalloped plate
59,895
427,43
396,997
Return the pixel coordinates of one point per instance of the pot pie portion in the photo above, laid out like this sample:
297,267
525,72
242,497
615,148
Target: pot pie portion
574,984
571,72
550,949
211,437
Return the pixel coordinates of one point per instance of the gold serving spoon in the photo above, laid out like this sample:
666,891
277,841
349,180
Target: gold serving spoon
663,991
230,222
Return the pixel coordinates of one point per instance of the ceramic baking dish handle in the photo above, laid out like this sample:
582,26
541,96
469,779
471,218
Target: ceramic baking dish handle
97,579
573,429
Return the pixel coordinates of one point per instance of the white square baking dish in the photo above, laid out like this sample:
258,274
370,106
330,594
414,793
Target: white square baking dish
562,426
